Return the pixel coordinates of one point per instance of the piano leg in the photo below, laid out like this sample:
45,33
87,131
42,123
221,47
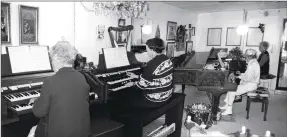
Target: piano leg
183,88
215,105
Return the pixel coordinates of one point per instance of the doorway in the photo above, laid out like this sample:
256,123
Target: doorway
282,66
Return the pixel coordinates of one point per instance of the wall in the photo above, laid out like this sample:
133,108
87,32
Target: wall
54,22
87,22
273,30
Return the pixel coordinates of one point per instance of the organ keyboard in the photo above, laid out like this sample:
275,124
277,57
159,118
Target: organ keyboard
16,92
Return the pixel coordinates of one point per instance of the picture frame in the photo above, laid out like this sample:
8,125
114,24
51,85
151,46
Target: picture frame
101,32
5,23
121,22
170,49
232,37
193,31
171,30
214,36
189,46
28,19
180,46
254,37
121,36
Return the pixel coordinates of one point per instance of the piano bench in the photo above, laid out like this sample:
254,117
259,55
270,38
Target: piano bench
260,95
134,120
103,127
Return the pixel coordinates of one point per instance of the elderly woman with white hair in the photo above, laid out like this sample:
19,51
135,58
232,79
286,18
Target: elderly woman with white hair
63,106
249,81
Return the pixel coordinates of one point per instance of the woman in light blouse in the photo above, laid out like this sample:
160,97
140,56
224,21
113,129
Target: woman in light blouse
249,81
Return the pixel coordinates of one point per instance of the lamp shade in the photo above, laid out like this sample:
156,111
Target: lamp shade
242,29
146,29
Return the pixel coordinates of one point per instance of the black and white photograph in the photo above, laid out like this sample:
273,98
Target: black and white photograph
144,69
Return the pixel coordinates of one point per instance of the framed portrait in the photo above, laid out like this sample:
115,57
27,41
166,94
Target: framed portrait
170,49
180,46
121,36
171,30
28,24
193,31
232,37
5,23
254,37
189,46
121,22
214,37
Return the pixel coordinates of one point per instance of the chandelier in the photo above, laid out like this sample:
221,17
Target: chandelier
122,9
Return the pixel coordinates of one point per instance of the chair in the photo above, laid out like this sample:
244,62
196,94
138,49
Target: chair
260,95
134,120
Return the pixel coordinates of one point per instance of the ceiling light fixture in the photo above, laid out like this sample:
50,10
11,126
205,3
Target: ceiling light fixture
243,28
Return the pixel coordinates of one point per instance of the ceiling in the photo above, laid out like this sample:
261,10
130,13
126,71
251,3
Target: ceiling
216,6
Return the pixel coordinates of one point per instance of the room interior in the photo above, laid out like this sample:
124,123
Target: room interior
86,27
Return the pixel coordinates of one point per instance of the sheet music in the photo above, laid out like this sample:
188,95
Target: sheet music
28,59
40,58
20,59
116,57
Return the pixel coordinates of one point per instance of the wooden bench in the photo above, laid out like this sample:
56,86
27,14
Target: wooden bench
260,95
134,120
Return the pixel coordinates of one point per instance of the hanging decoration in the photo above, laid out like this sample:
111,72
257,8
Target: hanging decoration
123,9
101,31
157,33
243,28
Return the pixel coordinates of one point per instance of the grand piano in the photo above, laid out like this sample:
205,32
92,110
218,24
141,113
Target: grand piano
191,69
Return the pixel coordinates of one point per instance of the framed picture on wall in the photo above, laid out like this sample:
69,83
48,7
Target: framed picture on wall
189,46
121,36
170,49
180,46
171,30
254,37
214,37
5,23
121,22
232,37
28,24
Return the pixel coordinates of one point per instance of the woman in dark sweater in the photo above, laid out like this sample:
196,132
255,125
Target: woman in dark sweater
264,59
155,86
63,106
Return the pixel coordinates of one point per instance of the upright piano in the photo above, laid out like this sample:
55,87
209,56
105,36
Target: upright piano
195,72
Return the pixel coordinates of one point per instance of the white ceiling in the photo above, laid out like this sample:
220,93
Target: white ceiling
216,6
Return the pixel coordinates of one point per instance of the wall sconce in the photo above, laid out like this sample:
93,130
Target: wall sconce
261,27
146,29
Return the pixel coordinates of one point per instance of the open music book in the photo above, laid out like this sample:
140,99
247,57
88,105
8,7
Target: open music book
29,58
116,57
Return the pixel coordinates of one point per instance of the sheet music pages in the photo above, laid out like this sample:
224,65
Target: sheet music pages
116,57
40,58
28,59
20,59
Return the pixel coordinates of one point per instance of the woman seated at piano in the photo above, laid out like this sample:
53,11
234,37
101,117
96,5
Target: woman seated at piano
264,58
249,81
155,86
63,106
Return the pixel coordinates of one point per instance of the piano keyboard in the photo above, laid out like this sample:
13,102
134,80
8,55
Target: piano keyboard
120,88
118,72
118,81
22,107
22,96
